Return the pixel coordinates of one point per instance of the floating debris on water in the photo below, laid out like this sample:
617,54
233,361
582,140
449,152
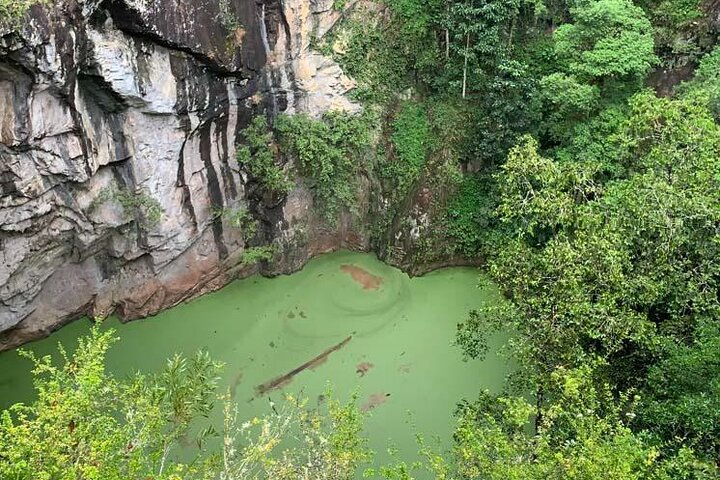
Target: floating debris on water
362,368
375,400
283,380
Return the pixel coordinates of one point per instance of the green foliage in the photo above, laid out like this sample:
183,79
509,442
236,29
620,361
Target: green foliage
481,32
682,398
398,54
330,445
672,12
609,250
330,155
137,205
254,255
469,215
86,424
410,138
12,11
506,107
583,434
228,17
369,54
708,72
258,157
679,29
705,87
608,39
566,103
412,36
594,143
239,218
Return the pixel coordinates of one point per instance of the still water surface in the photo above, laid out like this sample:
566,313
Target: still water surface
399,358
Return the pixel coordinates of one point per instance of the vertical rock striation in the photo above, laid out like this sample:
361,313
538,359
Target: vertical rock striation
112,108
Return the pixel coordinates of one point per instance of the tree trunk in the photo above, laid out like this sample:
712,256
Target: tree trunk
447,44
512,32
539,396
447,35
467,49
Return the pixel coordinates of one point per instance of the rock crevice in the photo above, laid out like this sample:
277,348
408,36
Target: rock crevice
112,108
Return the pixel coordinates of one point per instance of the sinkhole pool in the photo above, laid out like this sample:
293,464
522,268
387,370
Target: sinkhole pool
346,319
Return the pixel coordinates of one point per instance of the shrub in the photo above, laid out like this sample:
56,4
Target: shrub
410,138
134,204
254,255
258,157
12,11
329,153
238,218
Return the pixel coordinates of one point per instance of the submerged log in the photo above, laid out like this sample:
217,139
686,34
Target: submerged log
283,380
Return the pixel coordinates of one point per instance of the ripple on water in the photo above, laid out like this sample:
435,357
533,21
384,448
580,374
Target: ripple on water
354,299
400,357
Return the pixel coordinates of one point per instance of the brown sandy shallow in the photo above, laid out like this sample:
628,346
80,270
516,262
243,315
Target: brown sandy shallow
363,368
363,277
404,368
375,400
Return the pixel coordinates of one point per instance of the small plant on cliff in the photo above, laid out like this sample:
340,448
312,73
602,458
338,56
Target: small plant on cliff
227,16
410,139
254,255
329,153
238,218
258,157
134,204
12,11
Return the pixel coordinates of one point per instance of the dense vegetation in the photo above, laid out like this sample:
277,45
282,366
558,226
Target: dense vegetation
257,155
11,11
328,152
592,200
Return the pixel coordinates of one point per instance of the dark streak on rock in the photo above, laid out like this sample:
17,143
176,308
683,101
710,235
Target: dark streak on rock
221,140
214,192
178,69
132,23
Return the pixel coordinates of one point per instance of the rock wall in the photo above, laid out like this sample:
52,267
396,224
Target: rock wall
112,108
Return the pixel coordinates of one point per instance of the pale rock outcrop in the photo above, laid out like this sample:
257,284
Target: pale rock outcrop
108,106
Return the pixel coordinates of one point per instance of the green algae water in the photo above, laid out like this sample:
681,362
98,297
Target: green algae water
346,319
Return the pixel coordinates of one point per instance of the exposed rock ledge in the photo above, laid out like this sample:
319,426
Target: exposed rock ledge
147,97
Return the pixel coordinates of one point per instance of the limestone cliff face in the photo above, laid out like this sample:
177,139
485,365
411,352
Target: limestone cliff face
108,106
